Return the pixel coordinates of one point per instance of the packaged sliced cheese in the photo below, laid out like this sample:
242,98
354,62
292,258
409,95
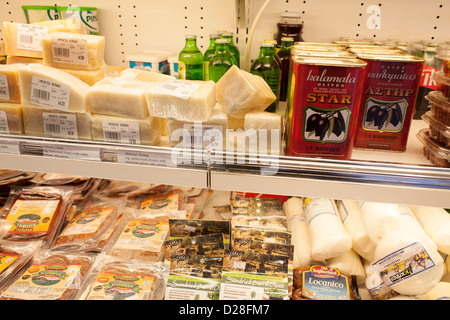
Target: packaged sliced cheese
73,51
129,131
436,223
9,83
48,87
17,59
268,127
51,123
183,100
240,92
11,118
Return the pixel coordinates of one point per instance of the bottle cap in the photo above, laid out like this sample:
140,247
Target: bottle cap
218,41
214,35
266,44
191,36
287,39
227,34
290,14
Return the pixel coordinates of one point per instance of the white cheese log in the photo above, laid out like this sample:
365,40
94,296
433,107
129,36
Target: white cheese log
296,224
240,92
436,223
327,233
73,51
129,131
69,91
268,126
349,262
402,249
183,100
441,291
350,214
11,118
377,288
9,83
37,123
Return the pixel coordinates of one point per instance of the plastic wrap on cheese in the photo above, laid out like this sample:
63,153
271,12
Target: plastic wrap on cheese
441,291
17,59
73,51
240,92
48,87
296,224
9,83
327,233
350,263
124,95
268,126
212,130
51,123
127,131
350,214
62,25
236,123
436,223
90,77
407,262
11,119
182,100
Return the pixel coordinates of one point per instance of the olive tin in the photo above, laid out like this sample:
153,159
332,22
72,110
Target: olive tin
323,101
388,101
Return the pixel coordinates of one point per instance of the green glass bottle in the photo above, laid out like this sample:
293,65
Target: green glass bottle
268,68
208,54
275,50
190,60
233,48
285,57
221,61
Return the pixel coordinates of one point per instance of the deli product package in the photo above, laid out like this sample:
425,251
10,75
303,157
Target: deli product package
37,212
119,188
171,199
90,222
210,244
53,275
53,179
5,226
9,83
13,257
113,278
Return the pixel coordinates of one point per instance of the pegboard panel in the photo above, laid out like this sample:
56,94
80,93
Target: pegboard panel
134,25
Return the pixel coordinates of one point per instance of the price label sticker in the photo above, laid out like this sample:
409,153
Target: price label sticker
58,125
50,94
73,51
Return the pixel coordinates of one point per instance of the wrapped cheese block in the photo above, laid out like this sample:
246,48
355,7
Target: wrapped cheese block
327,233
51,123
350,214
296,224
441,291
11,119
436,223
182,100
236,123
211,131
9,83
241,92
350,263
73,51
124,95
129,131
407,263
90,77
62,25
48,87
268,127
17,59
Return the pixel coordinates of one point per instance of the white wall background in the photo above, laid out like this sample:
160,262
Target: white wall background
134,25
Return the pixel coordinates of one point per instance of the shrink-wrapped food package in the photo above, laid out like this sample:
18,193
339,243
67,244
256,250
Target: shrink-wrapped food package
11,118
9,84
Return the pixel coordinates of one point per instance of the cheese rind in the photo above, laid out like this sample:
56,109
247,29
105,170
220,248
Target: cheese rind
240,92
71,90
36,123
129,131
12,114
9,84
73,51
183,100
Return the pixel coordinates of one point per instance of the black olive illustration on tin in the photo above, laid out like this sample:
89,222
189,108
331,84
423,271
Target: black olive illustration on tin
382,115
325,123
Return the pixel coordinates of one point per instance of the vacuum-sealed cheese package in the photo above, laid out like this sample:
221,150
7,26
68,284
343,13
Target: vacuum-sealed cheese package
11,118
9,84
44,86
53,275
112,278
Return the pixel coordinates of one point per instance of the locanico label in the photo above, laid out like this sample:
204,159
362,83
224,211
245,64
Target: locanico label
324,283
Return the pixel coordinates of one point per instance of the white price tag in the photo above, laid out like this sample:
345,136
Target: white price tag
58,125
73,51
180,89
146,158
11,147
4,128
123,132
29,37
71,152
209,134
50,94
4,88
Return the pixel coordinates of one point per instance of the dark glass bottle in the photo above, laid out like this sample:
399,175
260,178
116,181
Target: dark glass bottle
233,48
285,58
208,54
190,60
268,68
221,61
289,25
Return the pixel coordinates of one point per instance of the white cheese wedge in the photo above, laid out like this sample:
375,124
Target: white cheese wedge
240,92
436,223
182,100
212,130
11,118
73,51
127,131
124,95
268,127
44,86
9,83
51,123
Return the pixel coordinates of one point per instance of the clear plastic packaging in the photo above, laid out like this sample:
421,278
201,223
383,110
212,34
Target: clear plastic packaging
118,188
53,179
440,108
438,155
443,84
439,131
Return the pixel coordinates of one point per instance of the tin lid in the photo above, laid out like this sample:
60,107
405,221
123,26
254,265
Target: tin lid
377,52
312,48
318,44
403,57
332,61
306,53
